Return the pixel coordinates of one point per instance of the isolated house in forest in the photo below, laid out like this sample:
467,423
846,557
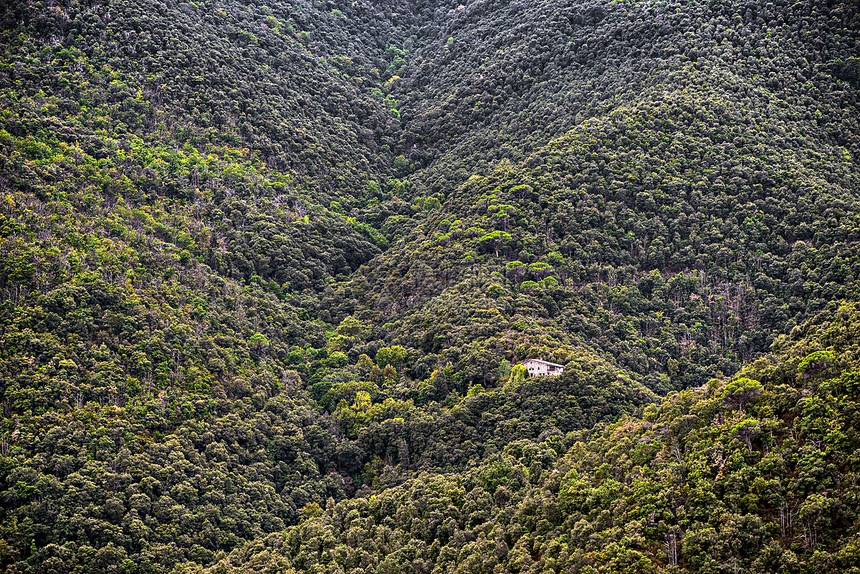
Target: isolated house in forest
538,368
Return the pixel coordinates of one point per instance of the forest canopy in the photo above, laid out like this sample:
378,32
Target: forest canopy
268,270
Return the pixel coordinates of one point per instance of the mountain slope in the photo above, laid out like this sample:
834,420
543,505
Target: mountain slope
257,259
506,77
160,249
680,203
701,482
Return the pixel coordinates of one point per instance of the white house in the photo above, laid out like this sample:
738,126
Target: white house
538,368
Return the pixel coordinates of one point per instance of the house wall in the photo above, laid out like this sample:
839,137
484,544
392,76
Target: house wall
537,369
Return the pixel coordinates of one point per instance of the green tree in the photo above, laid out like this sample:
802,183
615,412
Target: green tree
519,373
258,343
352,327
395,356
747,430
739,391
493,240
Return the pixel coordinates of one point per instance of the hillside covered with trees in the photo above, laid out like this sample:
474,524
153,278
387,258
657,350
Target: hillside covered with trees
268,267
754,474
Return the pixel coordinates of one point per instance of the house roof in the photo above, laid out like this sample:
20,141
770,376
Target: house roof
542,362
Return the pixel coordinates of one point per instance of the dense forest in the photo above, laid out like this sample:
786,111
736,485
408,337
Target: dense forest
268,269
757,473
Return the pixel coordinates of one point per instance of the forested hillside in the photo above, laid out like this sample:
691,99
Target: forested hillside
267,269
753,474
651,178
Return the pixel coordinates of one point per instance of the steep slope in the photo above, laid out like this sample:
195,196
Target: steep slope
165,227
259,258
508,76
692,212
285,80
755,474
161,261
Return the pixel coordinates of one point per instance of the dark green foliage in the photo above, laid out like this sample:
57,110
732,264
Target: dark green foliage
270,268
652,180
740,391
687,485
